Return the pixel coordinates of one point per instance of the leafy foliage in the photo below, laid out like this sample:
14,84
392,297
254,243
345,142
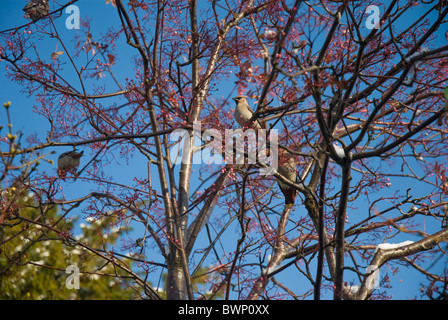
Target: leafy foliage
34,258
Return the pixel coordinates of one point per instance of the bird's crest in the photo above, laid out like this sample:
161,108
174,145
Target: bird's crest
238,98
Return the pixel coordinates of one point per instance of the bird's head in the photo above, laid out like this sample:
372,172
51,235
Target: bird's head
76,154
73,154
239,98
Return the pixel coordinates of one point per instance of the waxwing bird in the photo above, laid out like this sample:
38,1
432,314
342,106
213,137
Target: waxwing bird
243,113
68,161
287,167
37,9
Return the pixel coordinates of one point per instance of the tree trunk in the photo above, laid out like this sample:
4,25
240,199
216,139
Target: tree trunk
175,282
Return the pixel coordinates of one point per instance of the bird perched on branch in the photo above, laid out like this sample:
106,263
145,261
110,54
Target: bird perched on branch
37,9
68,161
286,164
287,167
243,113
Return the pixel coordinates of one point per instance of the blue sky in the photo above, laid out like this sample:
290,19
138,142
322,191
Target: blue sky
405,282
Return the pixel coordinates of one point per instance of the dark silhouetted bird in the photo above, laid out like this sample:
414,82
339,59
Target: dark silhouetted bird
287,167
37,9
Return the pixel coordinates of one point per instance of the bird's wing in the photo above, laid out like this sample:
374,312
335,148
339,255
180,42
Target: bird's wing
250,109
